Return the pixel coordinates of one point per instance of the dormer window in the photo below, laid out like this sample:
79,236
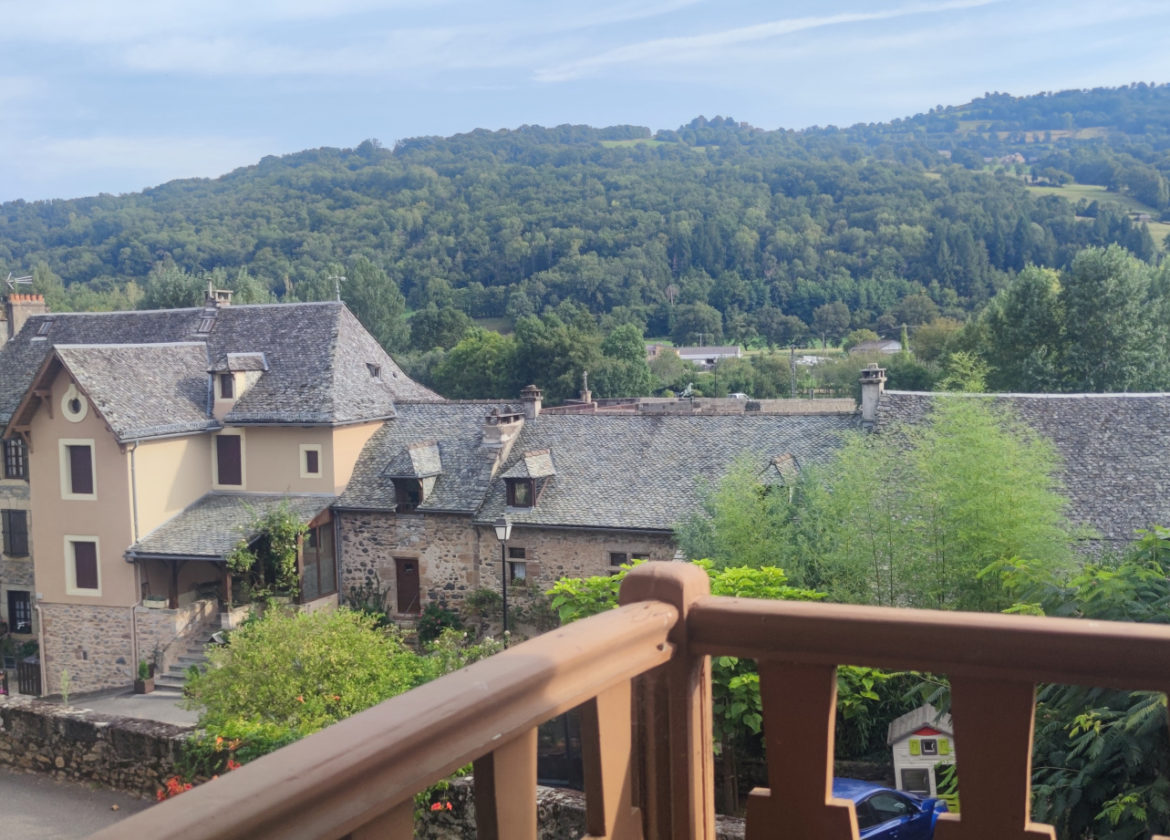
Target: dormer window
227,386
408,494
375,370
520,492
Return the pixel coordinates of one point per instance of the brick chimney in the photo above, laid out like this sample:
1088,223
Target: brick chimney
873,382
19,308
531,396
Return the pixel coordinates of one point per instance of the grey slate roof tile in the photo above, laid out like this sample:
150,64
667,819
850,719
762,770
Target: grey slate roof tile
649,472
532,464
210,527
144,390
319,357
457,429
1115,448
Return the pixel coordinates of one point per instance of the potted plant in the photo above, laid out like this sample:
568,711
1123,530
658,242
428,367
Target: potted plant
145,682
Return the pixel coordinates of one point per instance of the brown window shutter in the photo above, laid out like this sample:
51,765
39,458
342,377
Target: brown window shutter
85,568
312,462
80,469
227,386
15,524
227,460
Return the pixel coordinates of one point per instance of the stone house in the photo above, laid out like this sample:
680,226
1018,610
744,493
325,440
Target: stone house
153,440
583,493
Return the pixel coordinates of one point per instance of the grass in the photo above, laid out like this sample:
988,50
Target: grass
1095,192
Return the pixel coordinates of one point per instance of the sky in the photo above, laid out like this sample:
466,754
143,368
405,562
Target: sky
119,95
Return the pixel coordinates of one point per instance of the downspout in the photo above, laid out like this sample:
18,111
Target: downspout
41,648
137,568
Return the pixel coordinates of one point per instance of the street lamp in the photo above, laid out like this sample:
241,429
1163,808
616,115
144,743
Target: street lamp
503,531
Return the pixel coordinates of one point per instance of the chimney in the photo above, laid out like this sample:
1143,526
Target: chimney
531,397
500,430
873,382
217,298
19,308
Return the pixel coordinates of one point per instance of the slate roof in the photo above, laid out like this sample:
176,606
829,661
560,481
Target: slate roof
319,358
912,721
210,527
144,390
1115,448
417,460
648,472
456,428
532,464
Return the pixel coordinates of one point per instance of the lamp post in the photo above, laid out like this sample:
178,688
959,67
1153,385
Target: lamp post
503,531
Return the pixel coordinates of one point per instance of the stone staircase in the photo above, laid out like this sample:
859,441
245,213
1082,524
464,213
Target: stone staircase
175,677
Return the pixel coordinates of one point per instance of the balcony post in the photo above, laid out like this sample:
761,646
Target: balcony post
681,738
505,791
800,716
994,725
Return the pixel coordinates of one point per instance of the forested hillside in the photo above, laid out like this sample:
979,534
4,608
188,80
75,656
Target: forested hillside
716,229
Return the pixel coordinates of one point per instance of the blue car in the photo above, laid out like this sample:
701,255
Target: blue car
885,814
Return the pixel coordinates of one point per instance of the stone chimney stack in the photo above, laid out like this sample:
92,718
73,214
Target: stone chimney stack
531,397
873,382
217,298
19,308
500,430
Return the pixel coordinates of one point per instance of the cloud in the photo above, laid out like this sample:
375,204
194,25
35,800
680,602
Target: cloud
711,46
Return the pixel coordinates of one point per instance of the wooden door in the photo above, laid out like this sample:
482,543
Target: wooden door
407,584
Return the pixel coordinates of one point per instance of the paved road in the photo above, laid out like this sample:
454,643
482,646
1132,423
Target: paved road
35,807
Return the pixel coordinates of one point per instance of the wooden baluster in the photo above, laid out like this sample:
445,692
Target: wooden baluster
652,782
993,731
607,750
687,724
395,824
800,714
505,791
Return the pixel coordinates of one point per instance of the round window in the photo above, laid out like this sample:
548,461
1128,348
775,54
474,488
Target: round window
73,404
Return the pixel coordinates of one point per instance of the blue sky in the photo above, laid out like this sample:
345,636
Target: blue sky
118,95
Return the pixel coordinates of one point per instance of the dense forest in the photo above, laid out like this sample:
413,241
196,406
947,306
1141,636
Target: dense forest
717,231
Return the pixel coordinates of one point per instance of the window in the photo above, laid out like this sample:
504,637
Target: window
318,562
15,458
882,807
517,564
229,460
82,574
19,612
77,472
375,370
15,524
520,492
916,780
310,460
408,492
929,746
227,386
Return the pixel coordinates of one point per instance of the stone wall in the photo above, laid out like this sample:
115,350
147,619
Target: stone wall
122,753
163,635
456,557
92,642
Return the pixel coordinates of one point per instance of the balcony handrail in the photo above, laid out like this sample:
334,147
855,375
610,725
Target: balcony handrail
642,676
1033,649
360,769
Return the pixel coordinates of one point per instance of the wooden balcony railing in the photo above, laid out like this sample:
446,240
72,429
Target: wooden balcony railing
642,673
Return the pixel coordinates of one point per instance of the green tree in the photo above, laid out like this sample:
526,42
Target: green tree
1109,337
377,302
434,327
1025,340
830,321
1101,759
481,366
697,324
623,371
170,287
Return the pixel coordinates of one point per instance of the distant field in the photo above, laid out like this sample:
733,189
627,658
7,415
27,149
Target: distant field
1090,133
1094,192
640,141
501,325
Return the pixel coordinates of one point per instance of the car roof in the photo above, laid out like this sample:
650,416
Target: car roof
855,789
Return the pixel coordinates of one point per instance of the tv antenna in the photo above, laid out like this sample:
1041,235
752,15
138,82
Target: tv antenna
13,282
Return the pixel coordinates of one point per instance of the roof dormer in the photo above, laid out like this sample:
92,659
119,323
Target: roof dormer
232,376
414,471
526,479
